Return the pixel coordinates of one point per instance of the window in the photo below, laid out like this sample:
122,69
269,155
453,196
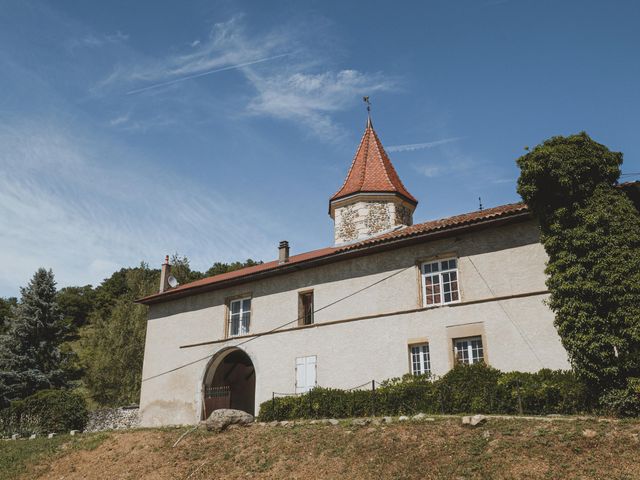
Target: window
305,373
440,282
305,308
468,350
239,316
420,361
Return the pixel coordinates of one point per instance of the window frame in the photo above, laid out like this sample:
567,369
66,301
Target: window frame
228,324
427,357
301,312
470,350
441,283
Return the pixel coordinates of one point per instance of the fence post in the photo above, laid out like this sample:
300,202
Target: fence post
373,398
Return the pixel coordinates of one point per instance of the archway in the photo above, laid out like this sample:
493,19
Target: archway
230,382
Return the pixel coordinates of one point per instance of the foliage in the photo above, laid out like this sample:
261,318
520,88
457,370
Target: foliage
591,231
76,303
113,346
622,402
30,355
475,388
46,411
219,268
7,305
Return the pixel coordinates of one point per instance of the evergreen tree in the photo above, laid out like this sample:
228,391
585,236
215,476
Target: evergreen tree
30,356
591,231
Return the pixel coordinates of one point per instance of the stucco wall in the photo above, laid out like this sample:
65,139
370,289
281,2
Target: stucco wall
498,262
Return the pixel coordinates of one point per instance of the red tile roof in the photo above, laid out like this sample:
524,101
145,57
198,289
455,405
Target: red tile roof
406,233
371,170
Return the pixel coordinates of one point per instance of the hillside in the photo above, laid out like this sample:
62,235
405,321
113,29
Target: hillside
501,448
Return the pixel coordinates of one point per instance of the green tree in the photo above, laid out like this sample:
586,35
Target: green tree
591,231
30,355
7,306
219,267
113,344
76,305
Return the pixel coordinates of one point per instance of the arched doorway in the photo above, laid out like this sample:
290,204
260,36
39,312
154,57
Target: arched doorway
230,382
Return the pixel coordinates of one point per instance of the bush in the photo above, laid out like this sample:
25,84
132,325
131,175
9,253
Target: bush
44,412
623,402
474,388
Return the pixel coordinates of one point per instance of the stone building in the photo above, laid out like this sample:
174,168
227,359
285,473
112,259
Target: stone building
388,298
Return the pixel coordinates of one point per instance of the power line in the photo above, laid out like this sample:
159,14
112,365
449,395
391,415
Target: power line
522,334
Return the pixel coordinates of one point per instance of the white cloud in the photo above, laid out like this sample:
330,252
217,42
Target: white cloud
289,80
97,41
62,208
428,170
420,146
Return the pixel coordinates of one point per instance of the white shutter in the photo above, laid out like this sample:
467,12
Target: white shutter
305,373
300,375
311,372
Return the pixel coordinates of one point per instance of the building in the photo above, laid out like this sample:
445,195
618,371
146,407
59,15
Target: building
388,298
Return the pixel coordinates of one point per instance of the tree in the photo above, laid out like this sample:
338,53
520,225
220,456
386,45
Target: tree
30,356
76,304
591,232
113,344
219,267
6,312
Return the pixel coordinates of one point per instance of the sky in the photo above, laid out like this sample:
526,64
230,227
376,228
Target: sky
215,129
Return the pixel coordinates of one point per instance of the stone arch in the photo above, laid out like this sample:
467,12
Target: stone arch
229,382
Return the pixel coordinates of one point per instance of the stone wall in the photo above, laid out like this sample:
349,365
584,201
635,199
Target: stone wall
113,419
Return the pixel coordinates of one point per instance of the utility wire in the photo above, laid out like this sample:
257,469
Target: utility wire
522,334
258,335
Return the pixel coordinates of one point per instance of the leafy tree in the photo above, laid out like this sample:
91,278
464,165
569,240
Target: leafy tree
219,267
181,269
6,311
76,304
30,356
113,345
591,231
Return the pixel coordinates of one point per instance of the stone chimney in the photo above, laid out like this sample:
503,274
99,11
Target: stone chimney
283,252
164,275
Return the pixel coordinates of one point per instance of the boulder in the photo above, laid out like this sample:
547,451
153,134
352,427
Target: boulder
361,421
51,435
387,420
403,418
334,422
589,433
474,420
219,420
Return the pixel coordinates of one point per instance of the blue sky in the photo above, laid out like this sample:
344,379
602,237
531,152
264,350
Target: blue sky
129,130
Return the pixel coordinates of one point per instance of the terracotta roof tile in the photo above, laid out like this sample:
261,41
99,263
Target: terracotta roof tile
247,274
371,170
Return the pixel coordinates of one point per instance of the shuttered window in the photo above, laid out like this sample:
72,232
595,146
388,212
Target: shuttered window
305,373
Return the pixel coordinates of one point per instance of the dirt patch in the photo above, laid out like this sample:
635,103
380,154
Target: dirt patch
441,449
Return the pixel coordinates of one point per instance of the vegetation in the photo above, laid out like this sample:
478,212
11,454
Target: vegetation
438,449
48,411
475,388
85,338
591,231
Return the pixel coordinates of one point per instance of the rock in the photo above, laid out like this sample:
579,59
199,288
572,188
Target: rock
474,420
387,420
486,434
589,433
361,421
284,423
15,436
74,432
376,421
333,421
371,430
51,435
275,423
419,416
32,437
219,420
113,419
403,418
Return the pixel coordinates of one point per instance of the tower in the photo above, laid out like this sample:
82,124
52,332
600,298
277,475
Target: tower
372,199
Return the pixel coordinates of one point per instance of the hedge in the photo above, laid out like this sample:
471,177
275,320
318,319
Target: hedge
475,388
47,411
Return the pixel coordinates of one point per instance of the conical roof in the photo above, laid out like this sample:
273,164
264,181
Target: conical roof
371,170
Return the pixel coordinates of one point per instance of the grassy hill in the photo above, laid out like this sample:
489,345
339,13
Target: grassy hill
501,448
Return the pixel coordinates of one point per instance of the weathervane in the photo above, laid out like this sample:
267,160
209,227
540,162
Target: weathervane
366,100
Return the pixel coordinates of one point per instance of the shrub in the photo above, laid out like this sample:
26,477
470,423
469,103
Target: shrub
46,411
474,388
622,402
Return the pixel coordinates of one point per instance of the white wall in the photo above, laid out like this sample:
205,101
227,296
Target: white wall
504,261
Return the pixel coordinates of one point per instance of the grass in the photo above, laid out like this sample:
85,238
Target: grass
17,455
501,449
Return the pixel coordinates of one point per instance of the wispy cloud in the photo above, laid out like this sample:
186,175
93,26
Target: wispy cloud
202,74
410,147
96,41
288,79
428,170
59,196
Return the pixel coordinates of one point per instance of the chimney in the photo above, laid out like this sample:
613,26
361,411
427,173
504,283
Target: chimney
283,252
164,275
